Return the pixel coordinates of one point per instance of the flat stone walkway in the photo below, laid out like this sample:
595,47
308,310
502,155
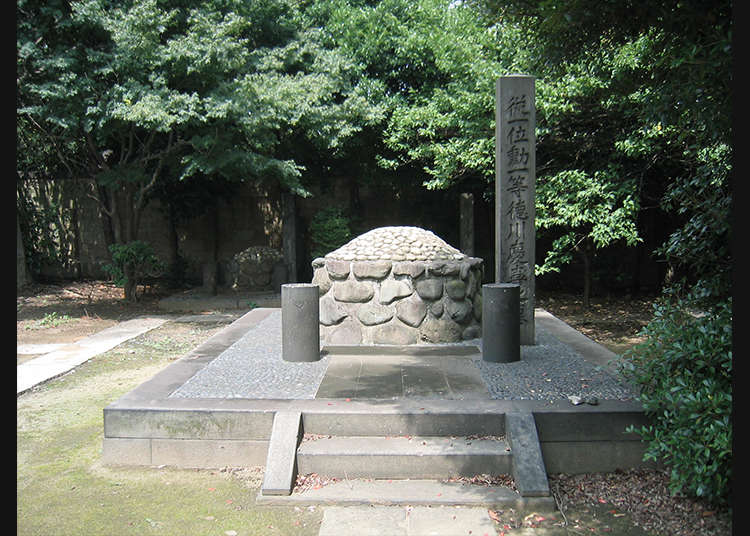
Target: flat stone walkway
253,368
403,376
66,358
406,521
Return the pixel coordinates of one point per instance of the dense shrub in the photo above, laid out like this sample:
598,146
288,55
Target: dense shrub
131,264
684,371
329,230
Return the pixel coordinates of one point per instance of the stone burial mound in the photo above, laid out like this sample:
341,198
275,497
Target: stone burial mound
400,286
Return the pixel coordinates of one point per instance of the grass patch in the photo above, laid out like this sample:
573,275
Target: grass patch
62,488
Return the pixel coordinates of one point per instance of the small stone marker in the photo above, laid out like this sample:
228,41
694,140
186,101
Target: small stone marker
515,183
500,323
300,316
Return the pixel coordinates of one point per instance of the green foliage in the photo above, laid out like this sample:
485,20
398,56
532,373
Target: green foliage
700,247
51,320
684,372
131,264
439,64
598,207
629,115
38,230
329,230
135,93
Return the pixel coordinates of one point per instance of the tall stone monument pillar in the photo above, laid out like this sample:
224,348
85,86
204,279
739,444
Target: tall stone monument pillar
515,180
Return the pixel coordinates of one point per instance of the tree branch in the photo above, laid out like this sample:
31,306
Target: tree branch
155,175
94,151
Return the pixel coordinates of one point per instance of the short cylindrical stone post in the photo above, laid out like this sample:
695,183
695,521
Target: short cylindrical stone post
300,317
501,329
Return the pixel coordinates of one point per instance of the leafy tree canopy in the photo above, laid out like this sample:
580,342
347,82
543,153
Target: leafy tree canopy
631,116
189,89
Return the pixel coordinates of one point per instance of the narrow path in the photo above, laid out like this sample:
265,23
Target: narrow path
61,360
406,521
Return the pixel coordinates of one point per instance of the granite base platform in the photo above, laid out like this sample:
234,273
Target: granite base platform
215,407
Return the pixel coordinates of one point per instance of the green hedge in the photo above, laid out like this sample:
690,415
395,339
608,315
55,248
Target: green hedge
684,371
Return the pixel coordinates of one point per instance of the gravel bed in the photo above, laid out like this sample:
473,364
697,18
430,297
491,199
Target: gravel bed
550,370
253,368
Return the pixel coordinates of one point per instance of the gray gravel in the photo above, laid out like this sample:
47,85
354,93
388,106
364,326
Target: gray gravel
550,370
253,368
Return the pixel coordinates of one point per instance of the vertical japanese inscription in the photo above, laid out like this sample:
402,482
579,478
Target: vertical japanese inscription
515,178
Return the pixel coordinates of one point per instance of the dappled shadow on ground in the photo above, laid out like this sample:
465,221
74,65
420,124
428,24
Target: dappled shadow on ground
613,321
66,313
83,298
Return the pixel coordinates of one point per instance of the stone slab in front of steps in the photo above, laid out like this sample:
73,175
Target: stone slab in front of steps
352,492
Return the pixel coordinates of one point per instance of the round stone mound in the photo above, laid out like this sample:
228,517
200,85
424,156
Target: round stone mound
396,244
398,285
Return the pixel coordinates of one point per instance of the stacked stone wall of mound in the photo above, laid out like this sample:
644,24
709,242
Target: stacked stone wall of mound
399,302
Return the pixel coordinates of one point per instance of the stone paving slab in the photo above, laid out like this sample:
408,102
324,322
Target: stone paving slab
445,377
528,464
278,477
406,521
60,361
415,457
253,368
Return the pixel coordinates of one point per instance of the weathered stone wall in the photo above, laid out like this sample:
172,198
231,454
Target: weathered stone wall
251,218
398,285
256,268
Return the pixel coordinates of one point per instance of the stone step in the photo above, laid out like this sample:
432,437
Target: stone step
411,418
414,492
404,457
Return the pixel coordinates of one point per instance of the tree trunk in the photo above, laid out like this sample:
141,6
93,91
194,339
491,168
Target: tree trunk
289,234
128,232
210,268
22,277
586,252
131,284
173,259
75,227
105,210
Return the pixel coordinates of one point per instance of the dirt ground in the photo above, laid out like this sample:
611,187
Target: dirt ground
47,314
613,321
66,313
